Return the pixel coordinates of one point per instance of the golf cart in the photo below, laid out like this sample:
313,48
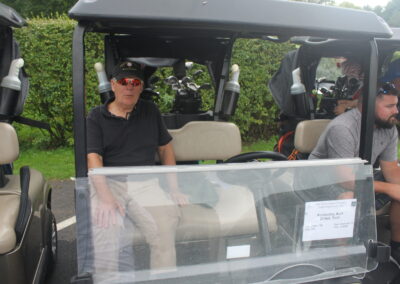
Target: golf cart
321,58
275,222
332,73
28,234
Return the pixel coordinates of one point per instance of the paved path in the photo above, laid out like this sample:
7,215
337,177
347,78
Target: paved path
64,209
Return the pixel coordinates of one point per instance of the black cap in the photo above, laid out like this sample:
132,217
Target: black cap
127,69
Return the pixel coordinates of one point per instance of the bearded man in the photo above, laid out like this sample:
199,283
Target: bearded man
341,139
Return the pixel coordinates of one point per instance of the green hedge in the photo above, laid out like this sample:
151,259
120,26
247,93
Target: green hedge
46,46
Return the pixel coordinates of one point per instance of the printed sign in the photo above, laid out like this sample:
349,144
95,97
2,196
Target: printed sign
238,251
332,219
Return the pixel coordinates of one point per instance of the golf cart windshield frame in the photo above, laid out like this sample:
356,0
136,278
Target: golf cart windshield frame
261,19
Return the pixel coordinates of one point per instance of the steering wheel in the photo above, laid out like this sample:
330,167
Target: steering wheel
251,156
254,156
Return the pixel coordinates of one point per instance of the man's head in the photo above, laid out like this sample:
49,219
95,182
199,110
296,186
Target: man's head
386,109
352,69
127,82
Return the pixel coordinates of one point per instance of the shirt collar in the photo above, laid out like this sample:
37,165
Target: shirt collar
107,113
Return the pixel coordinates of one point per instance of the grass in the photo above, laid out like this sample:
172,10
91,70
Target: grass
59,163
54,164
260,145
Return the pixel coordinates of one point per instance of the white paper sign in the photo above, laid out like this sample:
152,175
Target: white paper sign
238,251
332,219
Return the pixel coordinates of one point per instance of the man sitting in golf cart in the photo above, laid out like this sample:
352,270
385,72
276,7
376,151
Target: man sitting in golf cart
354,76
341,139
128,131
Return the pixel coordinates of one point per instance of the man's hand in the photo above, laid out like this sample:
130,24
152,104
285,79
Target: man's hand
108,208
179,198
106,213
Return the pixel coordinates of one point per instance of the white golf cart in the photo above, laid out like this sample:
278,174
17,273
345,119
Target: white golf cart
277,222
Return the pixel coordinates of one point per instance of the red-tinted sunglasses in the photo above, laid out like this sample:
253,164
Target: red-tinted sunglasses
126,81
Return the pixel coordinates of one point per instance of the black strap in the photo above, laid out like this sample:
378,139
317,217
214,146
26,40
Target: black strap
25,204
3,178
31,122
24,120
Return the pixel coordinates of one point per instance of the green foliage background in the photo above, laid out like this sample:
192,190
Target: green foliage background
29,8
46,46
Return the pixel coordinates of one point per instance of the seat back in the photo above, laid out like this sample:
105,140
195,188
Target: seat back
206,140
307,134
9,146
9,199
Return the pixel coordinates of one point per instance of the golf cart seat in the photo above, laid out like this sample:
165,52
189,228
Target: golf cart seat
234,213
27,226
307,134
206,140
15,205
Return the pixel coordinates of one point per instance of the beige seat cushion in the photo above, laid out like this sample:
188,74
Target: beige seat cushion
206,140
9,147
307,134
233,215
36,185
9,207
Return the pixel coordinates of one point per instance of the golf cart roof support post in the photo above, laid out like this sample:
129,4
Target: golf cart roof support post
7,53
78,87
224,77
368,104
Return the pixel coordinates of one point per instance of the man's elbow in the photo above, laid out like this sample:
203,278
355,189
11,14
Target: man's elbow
94,160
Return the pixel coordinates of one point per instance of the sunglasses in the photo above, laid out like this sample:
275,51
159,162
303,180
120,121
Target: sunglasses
126,81
387,88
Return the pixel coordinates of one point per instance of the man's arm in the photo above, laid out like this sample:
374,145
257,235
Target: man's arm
166,154
391,172
167,157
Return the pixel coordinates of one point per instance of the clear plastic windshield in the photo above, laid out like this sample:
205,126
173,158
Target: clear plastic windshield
278,222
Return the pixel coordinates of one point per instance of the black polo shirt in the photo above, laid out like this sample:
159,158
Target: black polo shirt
126,142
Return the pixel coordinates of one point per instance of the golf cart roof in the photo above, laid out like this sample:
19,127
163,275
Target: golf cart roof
395,37
10,18
256,18
389,45
333,47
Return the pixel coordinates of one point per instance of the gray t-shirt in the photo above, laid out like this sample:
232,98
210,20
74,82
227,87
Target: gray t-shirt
341,139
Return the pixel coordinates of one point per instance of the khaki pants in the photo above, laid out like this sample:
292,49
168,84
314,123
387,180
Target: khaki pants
151,211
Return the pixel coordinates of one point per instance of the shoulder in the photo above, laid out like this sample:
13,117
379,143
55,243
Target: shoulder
345,125
95,112
348,120
147,104
147,107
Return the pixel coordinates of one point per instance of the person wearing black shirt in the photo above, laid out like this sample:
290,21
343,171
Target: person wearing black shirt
128,131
